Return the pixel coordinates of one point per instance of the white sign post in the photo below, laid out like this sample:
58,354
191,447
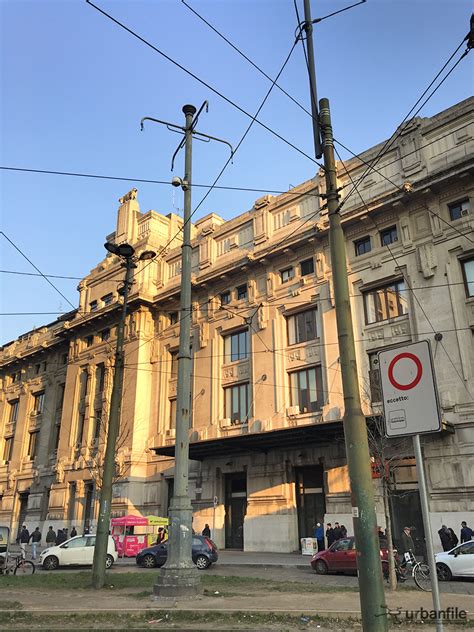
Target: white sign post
411,408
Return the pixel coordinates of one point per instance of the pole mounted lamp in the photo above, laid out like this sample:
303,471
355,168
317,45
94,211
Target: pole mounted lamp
127,253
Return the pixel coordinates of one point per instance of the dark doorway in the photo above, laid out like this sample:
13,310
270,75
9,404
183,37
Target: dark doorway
310,498
235,509
71,503
405,508
23,510
88,507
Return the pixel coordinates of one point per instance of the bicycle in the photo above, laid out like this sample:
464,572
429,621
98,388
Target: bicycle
15,564
419,571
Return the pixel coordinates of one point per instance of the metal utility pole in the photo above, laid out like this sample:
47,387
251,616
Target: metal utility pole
179,577
103,522
308,27
372,597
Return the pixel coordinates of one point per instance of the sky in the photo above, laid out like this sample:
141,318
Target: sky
74,87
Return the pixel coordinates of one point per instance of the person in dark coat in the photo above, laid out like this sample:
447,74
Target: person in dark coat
407,541
51,536
35,542
319,536
73,532
466,532
337,531
343,531
23,539
61,537
329,534
160,536
454,537
445,537
206,531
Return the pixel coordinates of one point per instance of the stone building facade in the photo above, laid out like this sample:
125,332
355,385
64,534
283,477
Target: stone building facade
267,443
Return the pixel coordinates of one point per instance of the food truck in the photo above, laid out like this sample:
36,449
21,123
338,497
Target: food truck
134,533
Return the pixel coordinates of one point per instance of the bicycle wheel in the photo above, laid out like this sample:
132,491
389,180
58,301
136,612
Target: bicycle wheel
421,575
24,567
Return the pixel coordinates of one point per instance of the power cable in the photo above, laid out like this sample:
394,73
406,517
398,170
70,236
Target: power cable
50,276
401,128
242,54
146,181
204,83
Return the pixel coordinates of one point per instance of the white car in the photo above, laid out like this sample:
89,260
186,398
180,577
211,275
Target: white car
459,562
76,551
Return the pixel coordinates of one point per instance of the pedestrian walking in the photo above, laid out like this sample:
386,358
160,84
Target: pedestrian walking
466,532
329,534
23,539
160,535
337,531
343,531
73,532
445,537
408,546
319,536
51,536
35,542
206,531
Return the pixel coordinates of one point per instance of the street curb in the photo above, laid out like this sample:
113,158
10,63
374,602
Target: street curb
239,565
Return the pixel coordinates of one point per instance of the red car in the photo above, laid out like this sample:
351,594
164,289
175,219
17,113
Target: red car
341,557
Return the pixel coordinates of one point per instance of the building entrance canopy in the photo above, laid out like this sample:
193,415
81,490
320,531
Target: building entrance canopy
259,441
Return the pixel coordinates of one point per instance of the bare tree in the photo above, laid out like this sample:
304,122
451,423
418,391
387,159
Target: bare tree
95,462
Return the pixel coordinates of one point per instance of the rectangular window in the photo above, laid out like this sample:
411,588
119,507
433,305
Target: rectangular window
302,327
33,445
388,236
237,405
93,306
172,414
468,272
459,209
64,358
385,302
306,389
100,378
80,427
174,365
38,403
307,267
16,377
105,335
84,384
236,346
173,316
97,422
89,341
13,416
287,274
242,292
362,246
108,298
225,298
37,369
8,448
57,432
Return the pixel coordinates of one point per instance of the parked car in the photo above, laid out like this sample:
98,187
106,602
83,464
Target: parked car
459,562
76,551
341,557
204,553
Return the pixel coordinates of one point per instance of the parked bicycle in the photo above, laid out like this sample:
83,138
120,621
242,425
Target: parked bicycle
15,564
410,566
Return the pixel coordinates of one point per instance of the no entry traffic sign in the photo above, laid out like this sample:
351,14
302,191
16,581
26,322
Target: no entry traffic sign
410,398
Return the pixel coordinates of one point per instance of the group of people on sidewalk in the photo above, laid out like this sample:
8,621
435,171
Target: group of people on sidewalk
52,539
449,539
331,535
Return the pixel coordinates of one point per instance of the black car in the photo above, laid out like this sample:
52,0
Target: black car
204,553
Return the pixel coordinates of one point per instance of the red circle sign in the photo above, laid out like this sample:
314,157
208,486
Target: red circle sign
419,371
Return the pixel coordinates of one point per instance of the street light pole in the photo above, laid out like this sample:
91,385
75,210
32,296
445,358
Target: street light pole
103,522
126,252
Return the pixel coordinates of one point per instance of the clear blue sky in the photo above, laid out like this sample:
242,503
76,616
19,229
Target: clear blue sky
75,85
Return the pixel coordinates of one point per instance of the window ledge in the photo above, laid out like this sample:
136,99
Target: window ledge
387,321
